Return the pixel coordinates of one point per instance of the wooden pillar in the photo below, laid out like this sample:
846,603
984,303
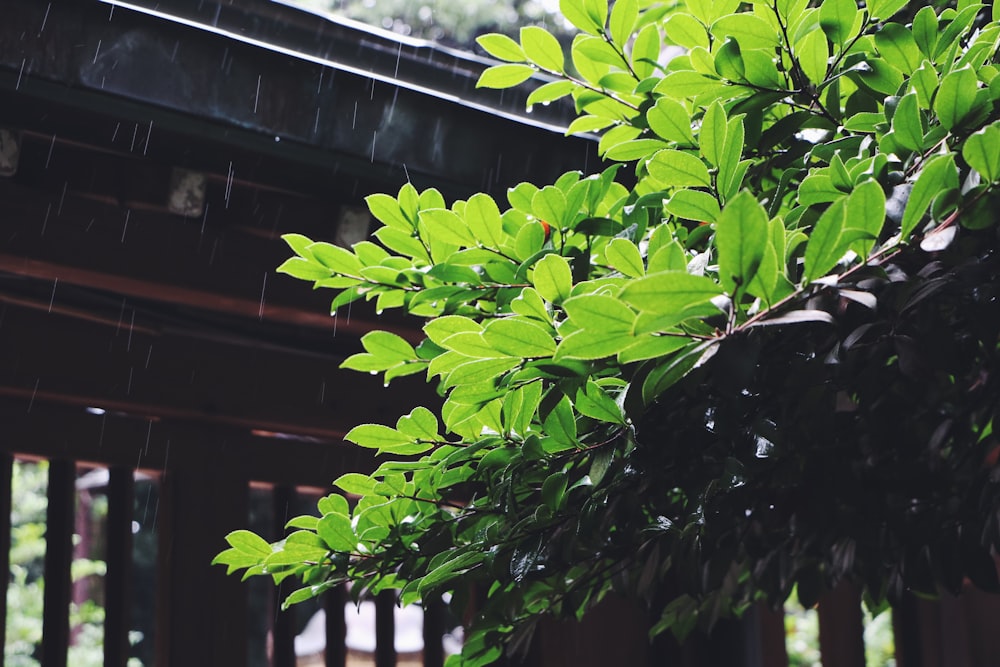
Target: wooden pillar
206,611
6,473
283,628
764,637
385,629
841,630
433,632
118,579
59,522
336,627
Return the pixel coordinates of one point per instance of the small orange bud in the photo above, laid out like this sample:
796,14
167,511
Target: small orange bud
546,228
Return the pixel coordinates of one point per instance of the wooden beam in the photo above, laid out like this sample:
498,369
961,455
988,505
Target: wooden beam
140,254
59,522
118,579
50,430
87,364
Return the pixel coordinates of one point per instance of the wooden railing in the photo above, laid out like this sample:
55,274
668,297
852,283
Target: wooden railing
200,616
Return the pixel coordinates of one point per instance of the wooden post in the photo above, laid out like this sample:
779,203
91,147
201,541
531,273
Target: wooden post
206,621
59,522
283,628
433,632
118,580
841,630
336,627
385,629
6,473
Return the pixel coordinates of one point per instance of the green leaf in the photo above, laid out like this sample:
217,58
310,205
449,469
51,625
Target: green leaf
925,83
896,44
386,210
589,345
651,347
751,31
684,84
740,236
675,368
530,304
624,15
670,292
504,76
599,312
731,169
678,169
938,175
636,149
712,135
592,401
728,62
304,269
248,542
336,531
420,423
377,436
597,10
906,123
982,151
355,484
575,13
687,31
956,96
553,278
560,423
554,490
299,244
483,218
646,51
549,92
502,47
925,30
445,225
542,48
388,345
520,337
865,214
693,205
549,204
817,189
439,329
813,53
588,124
883,9
479,370
670,120
836,18
624,256
450,569
825,249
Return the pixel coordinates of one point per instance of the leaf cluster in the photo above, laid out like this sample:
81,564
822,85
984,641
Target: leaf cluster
756,351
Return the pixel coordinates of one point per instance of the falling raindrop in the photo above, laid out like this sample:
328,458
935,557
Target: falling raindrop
97,51
128,387
128,212
149,354
173,54
204,218
354,119
256,95
229,182
114,135
260,312
33,392
135,132
316,124
45,19
111,13
149,432
399,53
374,136
62,198
131,327
322,391
45,221
52,298
52,145
149,133
21,72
